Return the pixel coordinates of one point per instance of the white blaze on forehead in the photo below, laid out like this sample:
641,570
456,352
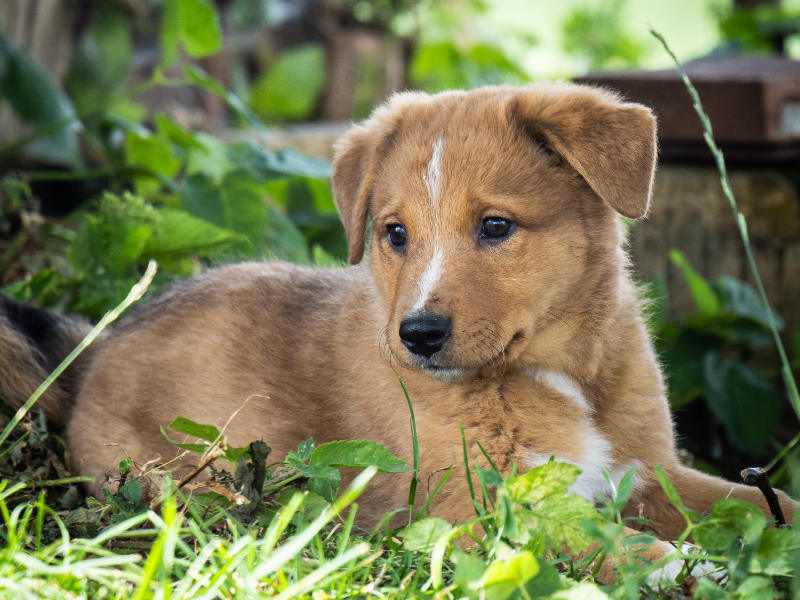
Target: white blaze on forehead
433,174
433,183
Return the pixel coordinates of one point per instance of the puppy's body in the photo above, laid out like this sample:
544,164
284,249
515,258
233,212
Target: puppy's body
496,287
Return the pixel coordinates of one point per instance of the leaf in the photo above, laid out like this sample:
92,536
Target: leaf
245,208
503,577
183,234
169,33
267,166
742,300
589,591
539,482
703,294
422,535
37,100
189,427
624,490
289,89
323,480
131,490
291,162
560,519
468,570
198,27
101,66
731,519
200,196
304,450
743,400
358,454
283,239
778,552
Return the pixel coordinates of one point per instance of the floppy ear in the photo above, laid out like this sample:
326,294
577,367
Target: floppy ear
352,167
612,144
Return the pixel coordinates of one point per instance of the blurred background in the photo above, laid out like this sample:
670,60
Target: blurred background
198,132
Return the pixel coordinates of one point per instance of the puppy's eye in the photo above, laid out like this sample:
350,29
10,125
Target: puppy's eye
495,228
397,236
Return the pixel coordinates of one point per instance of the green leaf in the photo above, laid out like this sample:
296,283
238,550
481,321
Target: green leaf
304,450
503,577
198,27
37,100
357,454
180,233
422,535
290,87
198,430
589,591
539,482
560,519
177,134
169,34
101,66
731,520
131,490
201,196
778,552
703,294
323,480
283,239
469,568
624,490
743,400
245,208
742,300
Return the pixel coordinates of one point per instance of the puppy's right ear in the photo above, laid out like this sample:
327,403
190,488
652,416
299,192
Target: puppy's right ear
353,166
357,160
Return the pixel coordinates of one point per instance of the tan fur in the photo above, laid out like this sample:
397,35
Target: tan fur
321,347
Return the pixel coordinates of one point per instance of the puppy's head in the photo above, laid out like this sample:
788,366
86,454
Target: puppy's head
494,217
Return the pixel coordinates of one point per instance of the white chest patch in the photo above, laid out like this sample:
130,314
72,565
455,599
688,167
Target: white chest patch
592,452
433,182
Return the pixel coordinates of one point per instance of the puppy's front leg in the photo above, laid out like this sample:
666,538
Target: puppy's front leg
699,491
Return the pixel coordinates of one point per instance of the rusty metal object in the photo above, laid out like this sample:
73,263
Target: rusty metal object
753,103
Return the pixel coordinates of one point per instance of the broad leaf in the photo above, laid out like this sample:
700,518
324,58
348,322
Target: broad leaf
198,27
539,482
731,519
38,101
743,400
358,454
290,87
189,427
560,519
422,535
503,577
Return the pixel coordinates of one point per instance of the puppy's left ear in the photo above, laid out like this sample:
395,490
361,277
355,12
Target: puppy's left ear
612,144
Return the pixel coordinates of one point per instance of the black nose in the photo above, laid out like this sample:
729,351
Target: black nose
425,333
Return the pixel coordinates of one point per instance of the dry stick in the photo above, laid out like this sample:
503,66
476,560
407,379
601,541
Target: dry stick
708,136
137,291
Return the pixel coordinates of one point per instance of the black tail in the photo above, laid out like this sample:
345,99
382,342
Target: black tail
32,343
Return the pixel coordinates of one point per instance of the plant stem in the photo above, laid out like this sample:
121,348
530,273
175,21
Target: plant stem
708,136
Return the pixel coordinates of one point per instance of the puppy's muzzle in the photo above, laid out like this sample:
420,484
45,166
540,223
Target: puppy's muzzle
424,333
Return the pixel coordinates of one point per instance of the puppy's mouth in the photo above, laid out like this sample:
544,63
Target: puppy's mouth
441,367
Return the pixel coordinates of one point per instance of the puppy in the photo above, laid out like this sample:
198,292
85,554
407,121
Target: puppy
496,286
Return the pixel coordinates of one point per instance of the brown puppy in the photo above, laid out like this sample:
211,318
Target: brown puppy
496,286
